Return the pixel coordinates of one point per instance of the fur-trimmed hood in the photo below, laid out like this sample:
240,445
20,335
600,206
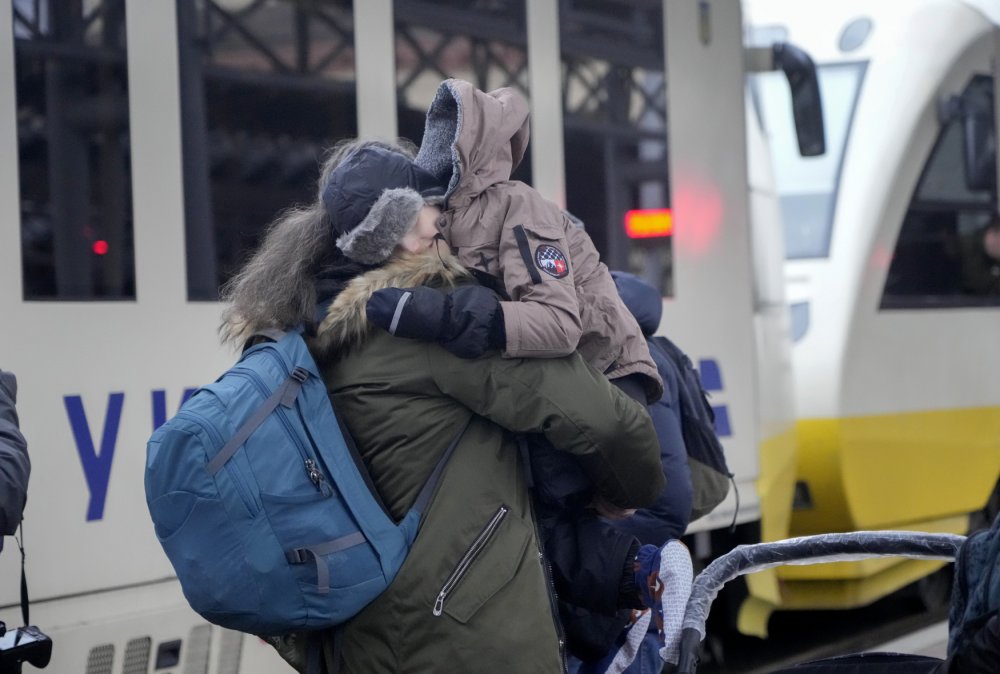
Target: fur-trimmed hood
346,323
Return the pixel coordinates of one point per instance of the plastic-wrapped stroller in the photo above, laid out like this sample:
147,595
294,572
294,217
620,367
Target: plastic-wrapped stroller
823,548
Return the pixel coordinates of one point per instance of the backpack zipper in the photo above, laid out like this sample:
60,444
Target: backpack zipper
315,474
308,461
244,491
311,462
478,544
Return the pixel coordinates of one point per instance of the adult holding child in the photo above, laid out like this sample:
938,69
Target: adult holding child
473,594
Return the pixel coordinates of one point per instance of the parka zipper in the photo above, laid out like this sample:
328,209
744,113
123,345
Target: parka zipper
554,603
469,557
552,594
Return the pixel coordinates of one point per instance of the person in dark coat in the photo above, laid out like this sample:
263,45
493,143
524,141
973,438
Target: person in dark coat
14,464
668,517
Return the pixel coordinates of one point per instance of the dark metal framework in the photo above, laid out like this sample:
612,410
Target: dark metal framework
492,33
73,147
614,97
608,48
265,89
604,44
305,46
299,49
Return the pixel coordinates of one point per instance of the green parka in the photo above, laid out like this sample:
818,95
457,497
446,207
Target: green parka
473,595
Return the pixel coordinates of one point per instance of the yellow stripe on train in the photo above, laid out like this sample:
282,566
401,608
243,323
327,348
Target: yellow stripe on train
919,471
893,470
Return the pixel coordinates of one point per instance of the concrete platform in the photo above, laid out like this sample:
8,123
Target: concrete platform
931,641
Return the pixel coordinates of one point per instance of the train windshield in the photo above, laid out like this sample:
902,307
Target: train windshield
807,186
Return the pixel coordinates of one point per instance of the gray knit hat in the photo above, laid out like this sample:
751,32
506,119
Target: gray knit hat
373,198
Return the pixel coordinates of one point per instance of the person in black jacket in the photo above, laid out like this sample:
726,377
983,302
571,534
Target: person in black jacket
668,517
14,464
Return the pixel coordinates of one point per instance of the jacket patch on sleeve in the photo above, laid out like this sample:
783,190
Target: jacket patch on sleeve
551,261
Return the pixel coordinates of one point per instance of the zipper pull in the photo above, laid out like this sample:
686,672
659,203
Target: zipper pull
315,476
439,604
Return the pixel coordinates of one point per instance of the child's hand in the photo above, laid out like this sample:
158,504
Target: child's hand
609,510
467,321
416,313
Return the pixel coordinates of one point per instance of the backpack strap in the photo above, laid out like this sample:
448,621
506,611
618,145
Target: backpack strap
424,497
284,395
317,552
359,463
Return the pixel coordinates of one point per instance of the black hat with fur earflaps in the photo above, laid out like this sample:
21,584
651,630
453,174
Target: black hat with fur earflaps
373,198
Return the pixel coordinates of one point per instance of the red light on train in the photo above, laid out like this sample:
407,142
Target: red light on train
100,247
648,223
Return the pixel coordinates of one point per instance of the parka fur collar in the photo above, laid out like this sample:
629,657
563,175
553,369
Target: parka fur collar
346,324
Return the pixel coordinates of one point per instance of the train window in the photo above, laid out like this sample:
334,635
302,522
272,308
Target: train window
948,250
482,43
266,87
614,107
73,150
808,186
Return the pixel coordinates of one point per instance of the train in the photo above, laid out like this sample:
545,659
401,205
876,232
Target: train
897,417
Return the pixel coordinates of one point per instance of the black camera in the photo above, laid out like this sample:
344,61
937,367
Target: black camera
23,644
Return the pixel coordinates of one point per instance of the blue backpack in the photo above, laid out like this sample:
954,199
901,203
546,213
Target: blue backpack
263,505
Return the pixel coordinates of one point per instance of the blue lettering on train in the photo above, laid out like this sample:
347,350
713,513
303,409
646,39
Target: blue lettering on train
97,464
711,381
160,405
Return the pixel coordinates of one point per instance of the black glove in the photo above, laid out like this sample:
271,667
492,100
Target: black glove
467,321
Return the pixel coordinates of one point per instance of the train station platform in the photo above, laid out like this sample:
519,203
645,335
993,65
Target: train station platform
931,641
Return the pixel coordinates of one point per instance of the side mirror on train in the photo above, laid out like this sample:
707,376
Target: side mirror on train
807,105
979,143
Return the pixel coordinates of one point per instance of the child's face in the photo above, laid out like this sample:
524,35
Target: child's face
421,235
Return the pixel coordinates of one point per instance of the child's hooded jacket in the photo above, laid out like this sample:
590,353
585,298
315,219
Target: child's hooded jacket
563,297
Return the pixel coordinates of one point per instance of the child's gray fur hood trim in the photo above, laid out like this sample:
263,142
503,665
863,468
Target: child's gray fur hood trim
438,155
389,219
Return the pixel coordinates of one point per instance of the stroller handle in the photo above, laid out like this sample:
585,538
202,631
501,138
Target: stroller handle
819,549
